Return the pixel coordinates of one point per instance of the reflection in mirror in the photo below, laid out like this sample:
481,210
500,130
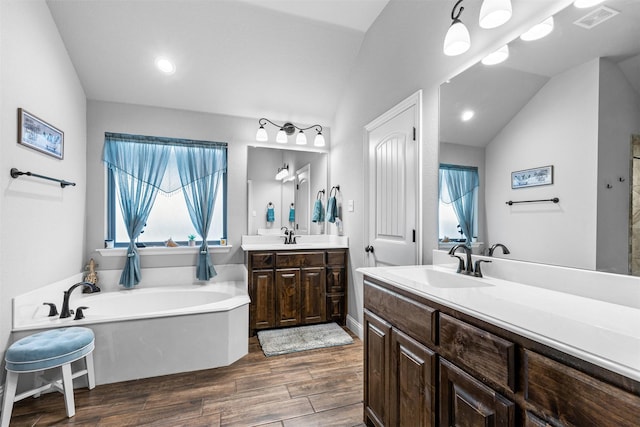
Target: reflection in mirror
572,101
291,197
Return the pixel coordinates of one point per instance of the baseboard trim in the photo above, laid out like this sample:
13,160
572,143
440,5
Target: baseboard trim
355,327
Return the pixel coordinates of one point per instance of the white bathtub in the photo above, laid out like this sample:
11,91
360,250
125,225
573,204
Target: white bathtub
156,328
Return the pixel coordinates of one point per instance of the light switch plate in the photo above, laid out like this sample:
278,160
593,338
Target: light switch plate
350,205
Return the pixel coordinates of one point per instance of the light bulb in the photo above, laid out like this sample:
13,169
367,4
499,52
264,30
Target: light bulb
261,135
457,41
165,65
497,57
467,115
281,137
301,139
494,13
319,140
539,31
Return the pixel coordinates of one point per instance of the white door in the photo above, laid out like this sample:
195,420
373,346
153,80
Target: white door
392,187
303,199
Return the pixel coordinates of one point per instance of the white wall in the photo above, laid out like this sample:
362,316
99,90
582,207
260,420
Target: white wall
402,53
42,228
456,154
559,127
619,118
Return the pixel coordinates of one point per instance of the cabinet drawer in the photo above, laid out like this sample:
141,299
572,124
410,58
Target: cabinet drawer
262,260
300,259
413,318
336,258
575,398
486,355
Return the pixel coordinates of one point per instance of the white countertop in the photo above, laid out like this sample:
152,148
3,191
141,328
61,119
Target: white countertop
275,242
603,333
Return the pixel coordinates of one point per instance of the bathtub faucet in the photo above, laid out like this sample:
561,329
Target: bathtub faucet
64,312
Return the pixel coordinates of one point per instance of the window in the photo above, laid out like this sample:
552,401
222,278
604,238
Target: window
458,205
169,216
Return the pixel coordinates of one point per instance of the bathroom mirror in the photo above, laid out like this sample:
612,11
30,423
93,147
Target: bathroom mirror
305,178
570,100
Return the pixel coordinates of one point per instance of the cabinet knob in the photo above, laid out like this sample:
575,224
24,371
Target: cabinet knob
369,249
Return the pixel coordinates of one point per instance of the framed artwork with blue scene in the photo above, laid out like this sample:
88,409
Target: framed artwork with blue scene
532,177
39,135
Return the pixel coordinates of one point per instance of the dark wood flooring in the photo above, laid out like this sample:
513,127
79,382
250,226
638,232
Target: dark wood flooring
321,387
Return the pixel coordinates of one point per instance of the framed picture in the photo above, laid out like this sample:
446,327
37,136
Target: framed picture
532,177
39,135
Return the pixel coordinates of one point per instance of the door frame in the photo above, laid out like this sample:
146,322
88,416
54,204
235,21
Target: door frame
414,100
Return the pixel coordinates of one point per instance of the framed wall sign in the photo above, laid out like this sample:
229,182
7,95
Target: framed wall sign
37,134
532,177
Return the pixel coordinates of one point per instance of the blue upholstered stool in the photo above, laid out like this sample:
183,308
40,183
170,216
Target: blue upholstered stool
46,350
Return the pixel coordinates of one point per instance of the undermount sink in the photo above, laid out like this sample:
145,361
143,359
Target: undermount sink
438,278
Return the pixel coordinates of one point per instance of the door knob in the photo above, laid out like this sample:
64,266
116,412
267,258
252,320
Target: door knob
369,249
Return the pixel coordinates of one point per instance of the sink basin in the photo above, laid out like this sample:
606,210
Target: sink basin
437,278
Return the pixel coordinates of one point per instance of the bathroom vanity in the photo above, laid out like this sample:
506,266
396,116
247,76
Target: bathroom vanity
296,284
446,349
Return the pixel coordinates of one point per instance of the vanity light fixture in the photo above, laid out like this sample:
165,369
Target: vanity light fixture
494,13
582,4
539,31
283,172
457,40
497,57
467,115
289,129
165,65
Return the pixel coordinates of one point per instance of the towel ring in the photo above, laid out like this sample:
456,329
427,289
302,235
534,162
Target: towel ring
291,204
318,197
270,205
335,187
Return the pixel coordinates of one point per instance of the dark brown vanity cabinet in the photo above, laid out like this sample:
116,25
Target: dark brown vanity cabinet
429,365
297,287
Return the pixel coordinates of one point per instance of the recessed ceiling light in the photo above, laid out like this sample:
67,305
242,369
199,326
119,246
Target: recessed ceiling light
497,57
467,115
165,65
539,31
581,4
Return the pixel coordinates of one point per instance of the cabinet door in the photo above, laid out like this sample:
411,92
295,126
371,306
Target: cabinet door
262,300
377,347
465,401
287,297
336,279
313,301
413,383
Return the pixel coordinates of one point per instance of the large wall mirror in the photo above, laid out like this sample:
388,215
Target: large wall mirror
570,100
285,201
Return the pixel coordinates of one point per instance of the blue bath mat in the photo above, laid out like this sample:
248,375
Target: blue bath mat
301,338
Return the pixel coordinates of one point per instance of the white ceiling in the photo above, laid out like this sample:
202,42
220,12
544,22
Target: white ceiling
498,92
285,60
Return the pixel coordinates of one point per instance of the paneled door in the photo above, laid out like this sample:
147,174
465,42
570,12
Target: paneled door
392,186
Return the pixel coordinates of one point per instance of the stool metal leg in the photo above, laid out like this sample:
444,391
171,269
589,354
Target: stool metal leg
67,385
10,386
91,376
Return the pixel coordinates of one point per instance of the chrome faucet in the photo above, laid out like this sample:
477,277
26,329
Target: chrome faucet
467,267
505,250
289,238
64,311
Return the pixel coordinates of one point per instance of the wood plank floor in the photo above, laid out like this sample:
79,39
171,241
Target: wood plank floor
314,388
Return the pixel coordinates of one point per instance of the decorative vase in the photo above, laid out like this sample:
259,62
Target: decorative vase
192,242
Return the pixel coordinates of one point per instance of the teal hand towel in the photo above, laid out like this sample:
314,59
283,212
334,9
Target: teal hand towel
271,216
318,211
332,209
292,215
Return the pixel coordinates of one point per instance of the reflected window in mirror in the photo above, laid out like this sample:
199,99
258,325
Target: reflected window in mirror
458,203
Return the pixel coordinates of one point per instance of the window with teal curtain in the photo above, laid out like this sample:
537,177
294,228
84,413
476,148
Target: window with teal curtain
189,175
459,189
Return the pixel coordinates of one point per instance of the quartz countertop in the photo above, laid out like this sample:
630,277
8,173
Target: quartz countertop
275,242
603,333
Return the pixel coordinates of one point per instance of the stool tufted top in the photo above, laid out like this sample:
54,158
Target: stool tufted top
49,349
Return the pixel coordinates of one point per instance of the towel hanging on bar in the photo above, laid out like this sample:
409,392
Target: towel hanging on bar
292,213
271,215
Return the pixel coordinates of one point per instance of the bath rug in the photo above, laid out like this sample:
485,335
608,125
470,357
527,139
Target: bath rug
301,338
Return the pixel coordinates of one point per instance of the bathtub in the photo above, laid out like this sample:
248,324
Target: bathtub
157,328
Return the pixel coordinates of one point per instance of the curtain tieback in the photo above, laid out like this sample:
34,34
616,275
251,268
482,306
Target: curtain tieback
203,252
131,254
